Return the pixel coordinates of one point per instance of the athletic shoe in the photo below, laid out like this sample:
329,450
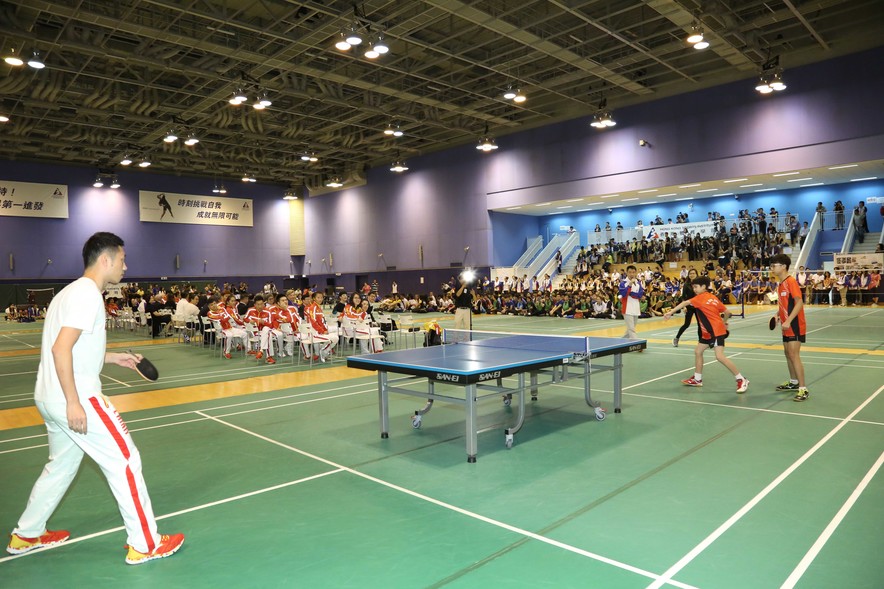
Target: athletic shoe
259,355
270,360
227,355
169,545
788,386
315,358
675,342
692,382
742,385
801,395
20,545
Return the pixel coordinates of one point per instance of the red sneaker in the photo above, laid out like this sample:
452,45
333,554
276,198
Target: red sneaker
227,355
270,360
692,382
169,545
20,545
259,355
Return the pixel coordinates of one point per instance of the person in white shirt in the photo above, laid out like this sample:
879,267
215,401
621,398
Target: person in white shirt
80,419
631,292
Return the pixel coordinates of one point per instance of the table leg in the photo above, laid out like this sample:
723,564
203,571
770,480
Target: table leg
383,404
618,380
510,432
533,386
472,436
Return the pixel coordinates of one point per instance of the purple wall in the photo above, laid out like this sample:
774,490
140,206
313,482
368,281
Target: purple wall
829,115
150,247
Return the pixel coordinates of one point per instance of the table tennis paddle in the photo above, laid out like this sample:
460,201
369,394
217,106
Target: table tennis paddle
146,369
772,323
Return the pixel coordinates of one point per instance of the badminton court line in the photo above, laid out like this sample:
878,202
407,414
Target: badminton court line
833,525
699,548
454,508
174,514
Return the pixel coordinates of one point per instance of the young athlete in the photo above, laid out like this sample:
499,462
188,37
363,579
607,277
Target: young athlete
81,420
231,330
713,331
790,316
265,323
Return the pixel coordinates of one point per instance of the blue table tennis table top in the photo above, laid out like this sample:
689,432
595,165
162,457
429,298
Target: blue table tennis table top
486,359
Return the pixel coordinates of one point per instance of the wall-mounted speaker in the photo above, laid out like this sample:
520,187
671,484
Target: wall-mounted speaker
177,261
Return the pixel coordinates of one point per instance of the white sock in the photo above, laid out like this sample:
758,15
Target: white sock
793,381
739,377
698,376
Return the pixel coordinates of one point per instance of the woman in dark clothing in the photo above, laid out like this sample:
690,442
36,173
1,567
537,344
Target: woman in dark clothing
687,292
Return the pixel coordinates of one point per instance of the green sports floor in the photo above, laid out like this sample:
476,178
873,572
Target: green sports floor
280,484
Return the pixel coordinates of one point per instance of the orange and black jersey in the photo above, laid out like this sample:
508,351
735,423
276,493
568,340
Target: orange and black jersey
788,293
709,310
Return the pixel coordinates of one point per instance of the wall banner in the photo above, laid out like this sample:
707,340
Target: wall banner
859,262
169,207
29,199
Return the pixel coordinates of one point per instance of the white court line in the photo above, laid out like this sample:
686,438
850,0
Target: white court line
115,380
175,513
17,373
19,341
725,405
456,509
150,427
799,570
699,548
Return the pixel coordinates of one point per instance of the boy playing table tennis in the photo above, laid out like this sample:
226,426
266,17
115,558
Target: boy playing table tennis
713,331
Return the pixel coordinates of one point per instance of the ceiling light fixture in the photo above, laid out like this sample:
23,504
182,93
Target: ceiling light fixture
603,117
13,59
771,77
696,35
399,166
352,36
215,189
145,162
98,182
35,61
509,94
334,182
191,140
342,44
4,119
115,183
170,137
126,161
486,142
238,97
381,46
290,194
371,52
222,189
309,157
519,98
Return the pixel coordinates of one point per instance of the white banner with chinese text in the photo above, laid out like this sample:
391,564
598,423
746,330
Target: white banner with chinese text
169,207
859,262
29,199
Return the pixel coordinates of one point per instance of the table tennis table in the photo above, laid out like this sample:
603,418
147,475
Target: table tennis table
478,362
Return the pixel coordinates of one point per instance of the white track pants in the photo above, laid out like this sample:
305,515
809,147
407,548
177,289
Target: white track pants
109,444
232,334
267,335
631,322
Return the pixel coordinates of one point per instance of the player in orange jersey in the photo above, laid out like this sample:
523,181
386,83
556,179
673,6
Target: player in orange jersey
790,317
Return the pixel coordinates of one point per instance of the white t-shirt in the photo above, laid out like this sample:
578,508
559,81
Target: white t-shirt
79,305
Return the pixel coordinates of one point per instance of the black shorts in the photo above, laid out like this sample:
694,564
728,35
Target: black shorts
793,338
715,341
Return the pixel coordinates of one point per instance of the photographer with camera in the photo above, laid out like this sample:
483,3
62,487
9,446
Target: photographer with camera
463,300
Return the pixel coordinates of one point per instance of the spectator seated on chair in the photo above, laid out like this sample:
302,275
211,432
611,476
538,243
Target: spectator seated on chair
324,340
265,324
228,325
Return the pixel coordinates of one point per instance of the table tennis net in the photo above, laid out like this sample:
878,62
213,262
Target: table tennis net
518,341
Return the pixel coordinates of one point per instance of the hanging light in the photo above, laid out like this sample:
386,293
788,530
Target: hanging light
342,43
334,182
763,87
381,46
701,45
238,97
115,183
265,102
4,119
222,189
509,94
215,189
290,194
126,161
246,177
309,157
696,35
98,182
371,52
144,163
776,82
519,98
399,166
353,37
191,140
607,119
12,58
35,61
486,144
170,137
597,121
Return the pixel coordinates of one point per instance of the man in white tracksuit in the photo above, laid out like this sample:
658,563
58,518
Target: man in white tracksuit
631,292
80,420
